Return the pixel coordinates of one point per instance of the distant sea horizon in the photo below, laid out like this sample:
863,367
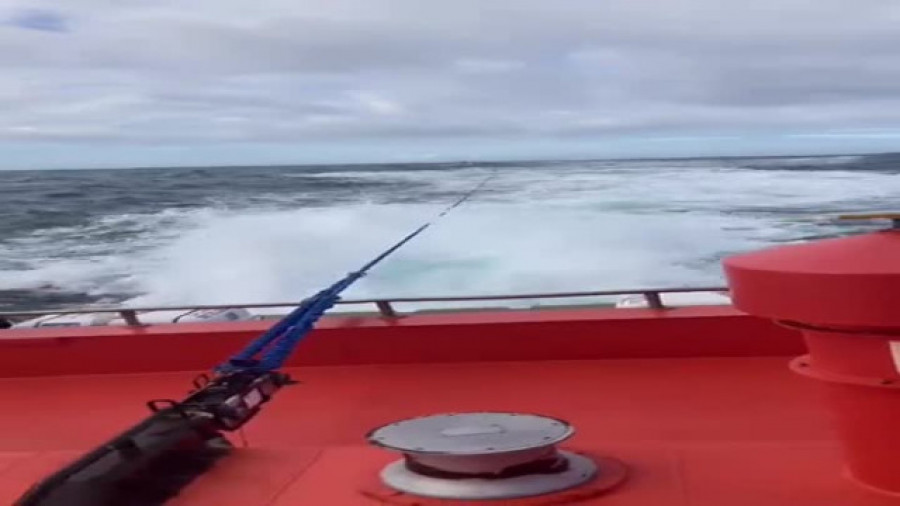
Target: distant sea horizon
460,161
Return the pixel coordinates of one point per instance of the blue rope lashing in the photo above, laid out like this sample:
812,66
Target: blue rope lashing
278,342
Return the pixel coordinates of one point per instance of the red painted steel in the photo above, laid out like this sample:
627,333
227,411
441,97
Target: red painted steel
737,431
849,281
842,293
583,334
696,401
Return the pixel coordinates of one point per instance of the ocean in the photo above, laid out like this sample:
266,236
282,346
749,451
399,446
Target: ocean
266,234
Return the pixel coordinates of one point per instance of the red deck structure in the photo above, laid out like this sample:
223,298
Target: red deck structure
699,403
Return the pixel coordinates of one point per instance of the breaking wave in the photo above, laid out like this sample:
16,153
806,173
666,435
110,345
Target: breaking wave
535,228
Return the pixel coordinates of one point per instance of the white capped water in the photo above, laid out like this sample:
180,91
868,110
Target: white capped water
264,234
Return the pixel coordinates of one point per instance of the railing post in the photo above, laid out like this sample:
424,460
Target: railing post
654,300
385,309
130,317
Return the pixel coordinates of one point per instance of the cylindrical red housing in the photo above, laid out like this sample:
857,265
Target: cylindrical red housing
844,295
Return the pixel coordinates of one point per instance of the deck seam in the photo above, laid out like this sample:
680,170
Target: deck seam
294,477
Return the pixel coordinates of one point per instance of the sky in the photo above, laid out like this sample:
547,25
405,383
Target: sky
108,83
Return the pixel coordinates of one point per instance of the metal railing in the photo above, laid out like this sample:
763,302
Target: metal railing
384,306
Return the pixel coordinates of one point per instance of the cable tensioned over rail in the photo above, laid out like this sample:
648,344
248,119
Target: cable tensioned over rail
269,351
224,402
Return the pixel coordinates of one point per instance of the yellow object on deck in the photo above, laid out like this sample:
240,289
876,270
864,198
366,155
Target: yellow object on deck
870,216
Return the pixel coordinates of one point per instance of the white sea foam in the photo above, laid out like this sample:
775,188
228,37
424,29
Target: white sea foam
531,230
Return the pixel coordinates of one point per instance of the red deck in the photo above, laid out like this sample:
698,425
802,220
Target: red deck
698,402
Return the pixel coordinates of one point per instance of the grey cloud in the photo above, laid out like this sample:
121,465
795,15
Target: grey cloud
286,71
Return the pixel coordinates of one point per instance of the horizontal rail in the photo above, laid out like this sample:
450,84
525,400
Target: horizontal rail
552,295
384,304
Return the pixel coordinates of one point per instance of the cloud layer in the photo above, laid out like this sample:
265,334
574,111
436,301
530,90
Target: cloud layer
157,73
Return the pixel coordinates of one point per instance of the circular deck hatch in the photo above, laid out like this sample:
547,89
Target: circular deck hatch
481,456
